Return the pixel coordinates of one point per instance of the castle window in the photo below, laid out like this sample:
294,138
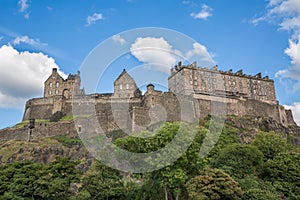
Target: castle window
121,87
50,92
127,86
56,91
50,84
57,84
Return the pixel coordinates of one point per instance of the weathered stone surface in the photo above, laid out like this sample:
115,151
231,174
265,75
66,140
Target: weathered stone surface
209,90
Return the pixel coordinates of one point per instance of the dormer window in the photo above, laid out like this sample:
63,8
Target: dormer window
50,84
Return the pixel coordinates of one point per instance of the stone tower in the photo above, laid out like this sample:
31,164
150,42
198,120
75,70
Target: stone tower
55,85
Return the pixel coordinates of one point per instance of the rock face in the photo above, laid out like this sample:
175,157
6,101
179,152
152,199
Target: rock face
48,141
255,124
52,139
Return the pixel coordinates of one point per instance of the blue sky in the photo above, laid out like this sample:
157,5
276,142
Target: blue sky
254,35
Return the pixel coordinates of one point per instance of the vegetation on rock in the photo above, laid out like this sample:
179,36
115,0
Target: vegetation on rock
264,166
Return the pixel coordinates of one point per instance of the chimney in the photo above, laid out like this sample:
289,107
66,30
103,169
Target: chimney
150,88
54,70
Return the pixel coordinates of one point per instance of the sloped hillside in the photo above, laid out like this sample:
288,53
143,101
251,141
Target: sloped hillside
254,158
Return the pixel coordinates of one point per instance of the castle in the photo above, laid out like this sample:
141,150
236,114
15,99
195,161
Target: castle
128,109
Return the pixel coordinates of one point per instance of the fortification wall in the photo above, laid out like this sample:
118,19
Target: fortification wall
242,107
153,108
38,108
41,130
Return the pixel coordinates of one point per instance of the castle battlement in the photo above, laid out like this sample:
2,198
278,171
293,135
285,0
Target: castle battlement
127,108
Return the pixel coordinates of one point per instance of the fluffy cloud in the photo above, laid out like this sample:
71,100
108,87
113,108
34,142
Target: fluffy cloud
23,8
296,111
286,13
199,52
205,12
22,75
118,39
291,77
156,51
159,53
92,19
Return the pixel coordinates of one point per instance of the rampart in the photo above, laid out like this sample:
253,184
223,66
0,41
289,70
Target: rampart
128,109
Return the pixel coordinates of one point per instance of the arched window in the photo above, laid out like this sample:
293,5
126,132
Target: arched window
50,84
57,84
50,92
56,91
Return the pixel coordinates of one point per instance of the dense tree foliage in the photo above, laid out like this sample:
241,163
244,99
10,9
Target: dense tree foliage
213,184
266,168
29,180
239,160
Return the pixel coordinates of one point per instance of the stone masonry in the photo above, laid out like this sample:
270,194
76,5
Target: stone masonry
128,109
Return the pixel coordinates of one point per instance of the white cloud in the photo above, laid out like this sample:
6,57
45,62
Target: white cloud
92,19
23,8
205,12
290,77
189,3
119,39
27,40
159,53
296,111
155,51
22,75
285,13
199,52
23,5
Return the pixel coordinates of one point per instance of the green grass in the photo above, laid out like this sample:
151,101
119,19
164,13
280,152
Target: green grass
67,141
72,117
26,122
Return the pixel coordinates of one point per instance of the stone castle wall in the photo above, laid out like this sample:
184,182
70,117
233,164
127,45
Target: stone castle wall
199,90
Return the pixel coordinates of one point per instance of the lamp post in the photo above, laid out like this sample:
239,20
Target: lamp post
30,127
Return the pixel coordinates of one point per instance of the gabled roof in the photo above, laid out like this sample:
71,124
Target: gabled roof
54,72
124,74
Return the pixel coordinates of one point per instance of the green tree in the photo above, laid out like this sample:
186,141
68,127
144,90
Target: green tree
239,160
170,180
259,194
102,182
270,144
284,173
17,179
213,184
55,179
